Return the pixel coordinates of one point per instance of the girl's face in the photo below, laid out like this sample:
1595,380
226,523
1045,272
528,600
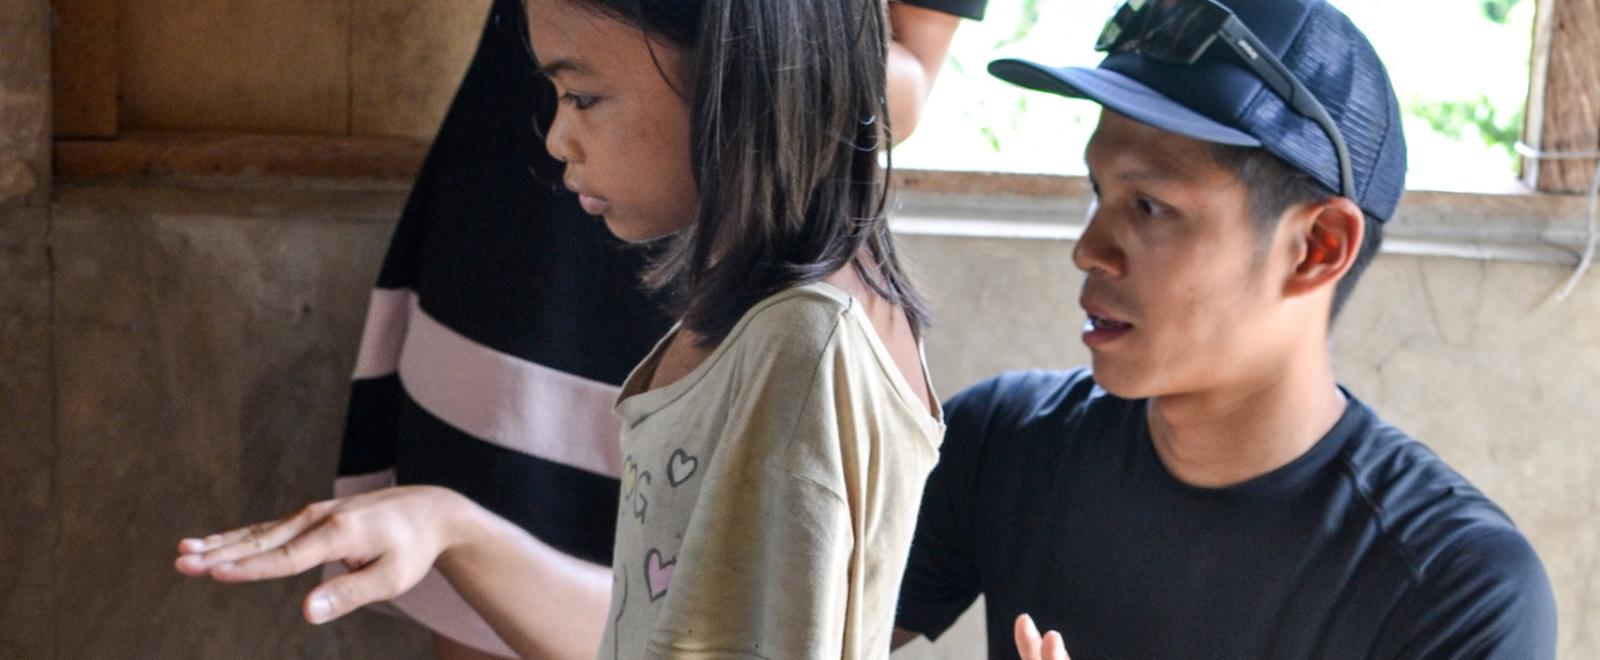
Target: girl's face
621,128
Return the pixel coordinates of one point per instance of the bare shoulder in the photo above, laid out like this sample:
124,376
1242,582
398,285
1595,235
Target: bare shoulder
892,327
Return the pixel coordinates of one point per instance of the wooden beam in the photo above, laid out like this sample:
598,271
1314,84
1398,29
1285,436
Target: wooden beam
1564,94
990,183
84,68
163,154
247,66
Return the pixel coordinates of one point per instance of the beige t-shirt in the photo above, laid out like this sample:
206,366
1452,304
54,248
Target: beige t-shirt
769,496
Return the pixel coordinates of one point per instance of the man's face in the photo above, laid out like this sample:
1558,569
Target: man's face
1180,295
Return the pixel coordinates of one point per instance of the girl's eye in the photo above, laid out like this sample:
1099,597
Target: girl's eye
1147,207
580,101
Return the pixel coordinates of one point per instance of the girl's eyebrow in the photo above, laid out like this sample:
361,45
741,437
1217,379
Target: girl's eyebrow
562,65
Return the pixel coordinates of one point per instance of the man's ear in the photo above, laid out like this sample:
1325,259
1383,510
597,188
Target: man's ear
1324,244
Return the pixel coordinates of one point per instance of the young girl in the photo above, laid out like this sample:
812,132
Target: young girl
776,441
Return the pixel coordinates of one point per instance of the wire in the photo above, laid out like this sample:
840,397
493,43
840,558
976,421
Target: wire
1523,149
1587,260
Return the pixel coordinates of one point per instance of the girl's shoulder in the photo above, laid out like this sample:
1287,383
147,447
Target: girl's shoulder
792,333
800,320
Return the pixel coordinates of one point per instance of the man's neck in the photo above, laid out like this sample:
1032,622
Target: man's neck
1230,435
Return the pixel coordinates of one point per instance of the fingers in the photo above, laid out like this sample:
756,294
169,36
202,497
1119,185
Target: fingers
214,541
1054,648
194,546
1027,638
297,555
199,556
194,560
1033,647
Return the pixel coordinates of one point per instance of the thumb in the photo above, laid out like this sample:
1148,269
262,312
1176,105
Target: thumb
347,593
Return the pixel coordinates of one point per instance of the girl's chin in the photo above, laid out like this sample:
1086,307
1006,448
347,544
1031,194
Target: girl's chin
633,232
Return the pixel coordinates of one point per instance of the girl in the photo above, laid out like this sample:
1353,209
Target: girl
454,386
775,442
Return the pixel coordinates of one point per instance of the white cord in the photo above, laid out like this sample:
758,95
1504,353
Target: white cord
1594,238
1523,149
1594,197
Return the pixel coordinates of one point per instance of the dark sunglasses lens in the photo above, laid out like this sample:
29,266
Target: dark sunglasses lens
1169,30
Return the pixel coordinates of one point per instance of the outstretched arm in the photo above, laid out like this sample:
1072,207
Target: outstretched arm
390,538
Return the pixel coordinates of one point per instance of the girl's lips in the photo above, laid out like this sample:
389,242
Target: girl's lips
593,205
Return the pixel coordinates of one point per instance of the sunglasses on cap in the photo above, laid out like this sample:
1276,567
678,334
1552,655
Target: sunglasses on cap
1180,31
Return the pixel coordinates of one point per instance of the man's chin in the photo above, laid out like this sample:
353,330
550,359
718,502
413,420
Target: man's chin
1120,381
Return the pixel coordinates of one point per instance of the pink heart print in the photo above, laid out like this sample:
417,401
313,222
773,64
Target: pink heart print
658,573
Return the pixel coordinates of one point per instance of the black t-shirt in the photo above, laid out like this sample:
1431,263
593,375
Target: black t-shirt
1050,499
972,9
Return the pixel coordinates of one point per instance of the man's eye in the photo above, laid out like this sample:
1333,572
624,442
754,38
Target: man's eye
580,101
1147,207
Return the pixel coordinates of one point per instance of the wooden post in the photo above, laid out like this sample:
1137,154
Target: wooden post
1564,94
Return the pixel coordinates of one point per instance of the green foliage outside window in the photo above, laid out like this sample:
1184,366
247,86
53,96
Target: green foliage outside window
1460,70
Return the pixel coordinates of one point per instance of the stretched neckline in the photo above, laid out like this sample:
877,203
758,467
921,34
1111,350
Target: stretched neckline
634,403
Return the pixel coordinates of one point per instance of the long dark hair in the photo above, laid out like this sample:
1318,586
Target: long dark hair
788,124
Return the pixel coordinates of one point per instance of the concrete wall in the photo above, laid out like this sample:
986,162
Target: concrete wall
106,453
203,343
27,448
203,338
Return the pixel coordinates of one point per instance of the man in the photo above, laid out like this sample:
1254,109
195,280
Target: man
1208,490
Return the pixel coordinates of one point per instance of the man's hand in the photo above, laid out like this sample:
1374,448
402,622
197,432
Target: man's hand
1033,647
388,539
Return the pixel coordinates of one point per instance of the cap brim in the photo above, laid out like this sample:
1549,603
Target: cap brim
1123,95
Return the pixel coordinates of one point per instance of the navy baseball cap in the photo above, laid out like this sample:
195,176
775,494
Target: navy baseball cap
1219,99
